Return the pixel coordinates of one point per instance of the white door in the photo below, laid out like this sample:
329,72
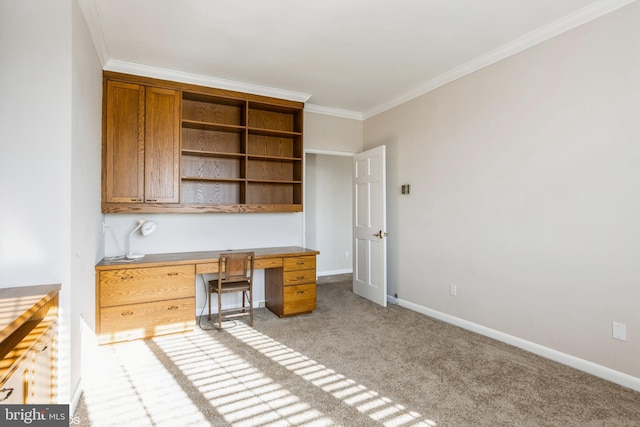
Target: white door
369,226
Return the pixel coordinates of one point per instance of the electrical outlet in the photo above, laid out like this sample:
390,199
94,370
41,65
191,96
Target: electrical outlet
453,290
619,331
261,304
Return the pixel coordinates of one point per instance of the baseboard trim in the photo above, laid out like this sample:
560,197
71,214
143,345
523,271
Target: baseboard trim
332,272
75,400
599,371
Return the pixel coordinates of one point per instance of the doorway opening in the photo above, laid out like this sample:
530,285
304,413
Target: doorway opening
328,210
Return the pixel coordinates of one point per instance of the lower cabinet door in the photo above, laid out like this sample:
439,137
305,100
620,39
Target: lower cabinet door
42,390
14,390
135,321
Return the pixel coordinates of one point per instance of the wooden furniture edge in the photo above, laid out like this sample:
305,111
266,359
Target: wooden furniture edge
51,291
191,208
202,257
33,330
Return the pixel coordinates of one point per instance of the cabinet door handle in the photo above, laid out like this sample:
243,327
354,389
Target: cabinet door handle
173,307
127,313
9,392
42,348
152,200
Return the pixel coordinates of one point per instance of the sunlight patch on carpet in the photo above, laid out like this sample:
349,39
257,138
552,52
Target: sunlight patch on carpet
193,379
369,402
129,386
238,391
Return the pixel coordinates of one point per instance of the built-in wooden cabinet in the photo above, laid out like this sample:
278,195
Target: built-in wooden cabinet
235,152
141,153
28,331
291,290
155,295
123,145
142,302
162,146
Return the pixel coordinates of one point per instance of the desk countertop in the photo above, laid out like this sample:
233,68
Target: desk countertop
199,257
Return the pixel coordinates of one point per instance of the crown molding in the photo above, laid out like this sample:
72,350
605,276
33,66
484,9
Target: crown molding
567,23
198,79
337,112
91,15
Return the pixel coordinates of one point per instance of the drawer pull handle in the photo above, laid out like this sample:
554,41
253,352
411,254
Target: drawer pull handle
9,392
300,292
127,313
300,263
126,277
173,307
42,348
172,274
300,277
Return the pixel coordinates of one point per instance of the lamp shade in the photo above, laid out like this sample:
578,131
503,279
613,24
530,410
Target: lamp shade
146,228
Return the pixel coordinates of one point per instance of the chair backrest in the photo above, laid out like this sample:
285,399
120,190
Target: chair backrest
236,267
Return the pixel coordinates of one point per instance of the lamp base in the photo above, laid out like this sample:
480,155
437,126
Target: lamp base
134,256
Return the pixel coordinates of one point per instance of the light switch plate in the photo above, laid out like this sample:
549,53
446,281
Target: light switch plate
619,331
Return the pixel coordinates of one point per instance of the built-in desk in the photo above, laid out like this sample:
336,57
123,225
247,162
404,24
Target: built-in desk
155,295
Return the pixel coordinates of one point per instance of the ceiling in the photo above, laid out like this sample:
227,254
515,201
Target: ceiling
354,58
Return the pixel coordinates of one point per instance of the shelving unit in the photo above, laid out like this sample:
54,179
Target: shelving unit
237,152
240,153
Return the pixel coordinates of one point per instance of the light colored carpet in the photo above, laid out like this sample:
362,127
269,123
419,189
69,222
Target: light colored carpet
350,363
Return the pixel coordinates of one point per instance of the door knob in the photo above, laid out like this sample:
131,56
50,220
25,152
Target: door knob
380,234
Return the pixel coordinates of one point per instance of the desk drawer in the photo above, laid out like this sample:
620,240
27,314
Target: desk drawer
134,321
207,267
265,263
299,277
145,284
299,299
300,263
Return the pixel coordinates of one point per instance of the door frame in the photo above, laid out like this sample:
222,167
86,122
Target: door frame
304,192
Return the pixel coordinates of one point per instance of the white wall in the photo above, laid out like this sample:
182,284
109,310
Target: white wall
35,154
330,133
86,220
50,113
525,185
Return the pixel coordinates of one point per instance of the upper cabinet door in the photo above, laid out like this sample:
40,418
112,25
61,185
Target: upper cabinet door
123,171
162,146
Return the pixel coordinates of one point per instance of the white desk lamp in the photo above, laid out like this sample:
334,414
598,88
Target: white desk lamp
146,228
